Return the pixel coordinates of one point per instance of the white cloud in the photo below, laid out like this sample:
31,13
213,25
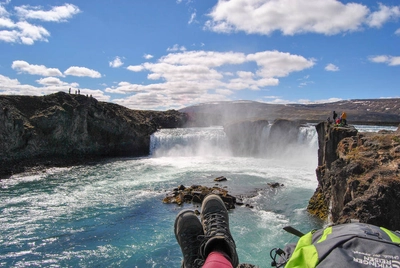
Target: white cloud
192,77
326,17
397,32
192,18
157,100
117,62
135,68
378,18
379,59
22,32
278,100
271,97
389,60
82,71
4,80
51,81
3,11
187,1
29,33
176,47
48,85
279,64
148,56
6,23
205,58
331,67
319,101
26,33
145,100
56,14
14,87
9,36
189,72
394,61
304,81
24,67
224,92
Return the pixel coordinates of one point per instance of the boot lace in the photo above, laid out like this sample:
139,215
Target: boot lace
191,247
216,224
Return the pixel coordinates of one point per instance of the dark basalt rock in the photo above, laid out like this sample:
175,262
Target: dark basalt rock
221,178
197,193
245,137
274,184
249,138
283,133
62,128
358,177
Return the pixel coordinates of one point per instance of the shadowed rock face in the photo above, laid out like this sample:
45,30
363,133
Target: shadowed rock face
358,177
245,137
64,126
251,138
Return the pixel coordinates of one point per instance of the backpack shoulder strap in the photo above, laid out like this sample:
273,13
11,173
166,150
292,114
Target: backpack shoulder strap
305,254
395,238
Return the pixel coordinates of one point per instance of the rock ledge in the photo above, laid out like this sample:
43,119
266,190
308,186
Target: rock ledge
358,177
64,127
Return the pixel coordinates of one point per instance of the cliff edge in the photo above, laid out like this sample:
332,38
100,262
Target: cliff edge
64,128
358,176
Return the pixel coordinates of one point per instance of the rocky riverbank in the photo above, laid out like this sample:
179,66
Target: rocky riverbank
64,129
358,176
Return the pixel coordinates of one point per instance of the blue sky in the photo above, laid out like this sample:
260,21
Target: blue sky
169,54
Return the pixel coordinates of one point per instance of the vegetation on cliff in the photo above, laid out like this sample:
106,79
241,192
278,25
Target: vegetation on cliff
358,177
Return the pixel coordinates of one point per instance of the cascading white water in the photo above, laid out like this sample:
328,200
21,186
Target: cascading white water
213,141
110,214
189,142
308,135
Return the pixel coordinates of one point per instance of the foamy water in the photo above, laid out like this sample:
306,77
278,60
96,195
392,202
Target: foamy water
111,214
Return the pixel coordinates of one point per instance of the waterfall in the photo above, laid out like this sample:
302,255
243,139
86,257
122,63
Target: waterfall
189,142
213,141
308,135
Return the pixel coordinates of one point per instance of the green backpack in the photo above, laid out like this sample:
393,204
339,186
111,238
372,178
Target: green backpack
345,245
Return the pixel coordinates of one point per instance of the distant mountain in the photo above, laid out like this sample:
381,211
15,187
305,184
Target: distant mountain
359,111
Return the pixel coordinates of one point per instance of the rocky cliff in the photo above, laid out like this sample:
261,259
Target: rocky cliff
259,138
63,127
358,176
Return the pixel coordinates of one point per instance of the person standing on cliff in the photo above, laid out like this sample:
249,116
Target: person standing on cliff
344,118
334,116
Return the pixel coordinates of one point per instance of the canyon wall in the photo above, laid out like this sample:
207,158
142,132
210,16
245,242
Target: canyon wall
65,127
358,176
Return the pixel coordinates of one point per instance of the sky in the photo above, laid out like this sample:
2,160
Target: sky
170,54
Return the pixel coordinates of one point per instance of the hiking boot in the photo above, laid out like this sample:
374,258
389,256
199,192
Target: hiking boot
187,229
217,236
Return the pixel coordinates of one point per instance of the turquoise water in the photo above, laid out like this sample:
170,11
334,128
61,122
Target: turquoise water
111,214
